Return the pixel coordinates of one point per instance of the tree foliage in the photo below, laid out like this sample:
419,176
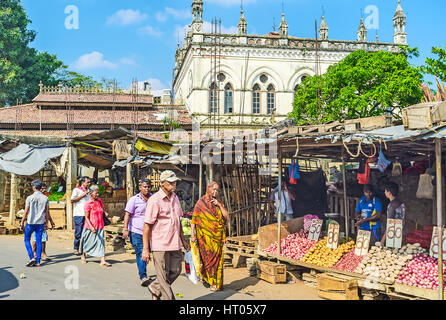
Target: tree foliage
364,84
23,67
437,66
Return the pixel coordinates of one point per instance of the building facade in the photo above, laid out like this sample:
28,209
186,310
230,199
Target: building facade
241,80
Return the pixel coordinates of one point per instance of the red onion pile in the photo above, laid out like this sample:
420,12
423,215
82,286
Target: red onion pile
349,262
421,272
295,246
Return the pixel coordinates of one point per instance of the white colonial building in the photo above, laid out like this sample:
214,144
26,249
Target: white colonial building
254,78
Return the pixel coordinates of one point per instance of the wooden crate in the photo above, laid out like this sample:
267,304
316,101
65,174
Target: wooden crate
12,230
2,230
242,245
334,287
367,123
271,272
59,214
424,115
416,292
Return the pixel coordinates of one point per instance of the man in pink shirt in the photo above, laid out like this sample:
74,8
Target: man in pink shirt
162,229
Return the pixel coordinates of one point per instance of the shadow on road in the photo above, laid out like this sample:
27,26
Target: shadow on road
230,289
7,281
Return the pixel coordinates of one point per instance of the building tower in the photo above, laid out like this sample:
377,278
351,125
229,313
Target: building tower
283,28
323,30
197,13
399,22
362,32
242,24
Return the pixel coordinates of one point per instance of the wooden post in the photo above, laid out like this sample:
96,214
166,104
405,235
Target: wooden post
13,201
346,207
200,180
129,181
439,180
279,213
71,184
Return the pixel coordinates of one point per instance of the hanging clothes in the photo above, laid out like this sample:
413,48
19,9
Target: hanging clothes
363,178
425,187
397,170
293,172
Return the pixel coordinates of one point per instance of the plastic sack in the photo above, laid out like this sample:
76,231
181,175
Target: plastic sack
195,257
425,187
397,170
383,163
190,270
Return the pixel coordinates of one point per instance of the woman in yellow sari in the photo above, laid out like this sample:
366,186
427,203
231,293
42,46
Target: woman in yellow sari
208,230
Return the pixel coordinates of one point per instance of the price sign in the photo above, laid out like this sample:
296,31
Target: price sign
394,233
315,229
435,243
362,242
333,236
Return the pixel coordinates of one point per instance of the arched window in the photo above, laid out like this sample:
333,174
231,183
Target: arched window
270,99
295,88
213,98
228,98
256,99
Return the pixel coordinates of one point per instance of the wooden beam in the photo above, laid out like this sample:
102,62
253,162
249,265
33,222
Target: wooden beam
129,181
439,180
71,184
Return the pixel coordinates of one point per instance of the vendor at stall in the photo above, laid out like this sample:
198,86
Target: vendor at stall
286,196
395,209
368,214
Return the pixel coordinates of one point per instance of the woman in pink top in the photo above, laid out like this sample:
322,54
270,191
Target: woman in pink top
92,240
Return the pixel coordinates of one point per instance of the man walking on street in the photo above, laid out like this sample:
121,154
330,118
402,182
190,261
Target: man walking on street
163,236
36,216
135,212
79,198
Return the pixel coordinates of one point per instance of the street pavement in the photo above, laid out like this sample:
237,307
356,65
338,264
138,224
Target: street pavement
57,279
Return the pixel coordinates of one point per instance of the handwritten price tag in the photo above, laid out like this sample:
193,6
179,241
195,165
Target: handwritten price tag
333,236
435,243
394,233
315,230
362,242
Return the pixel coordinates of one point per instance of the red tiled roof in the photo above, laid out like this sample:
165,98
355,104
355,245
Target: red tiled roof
91,98
31,114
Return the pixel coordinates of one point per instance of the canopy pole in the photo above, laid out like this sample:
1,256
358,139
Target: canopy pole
71,184
346,209
439,178
14,196
200,180
279,213
128,180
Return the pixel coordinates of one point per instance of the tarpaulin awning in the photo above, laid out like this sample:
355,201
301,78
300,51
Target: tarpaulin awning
26,160
153,146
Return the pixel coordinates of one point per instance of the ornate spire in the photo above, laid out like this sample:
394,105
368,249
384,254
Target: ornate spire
399,22
242,24
362,32
323,30
283,28
197,10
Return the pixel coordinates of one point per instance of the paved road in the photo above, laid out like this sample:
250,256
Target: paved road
120,282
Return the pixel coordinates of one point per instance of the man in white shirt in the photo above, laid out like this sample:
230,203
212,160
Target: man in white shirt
79,198
287,196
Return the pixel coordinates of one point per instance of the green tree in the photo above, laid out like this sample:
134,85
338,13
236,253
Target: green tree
437,66
364,84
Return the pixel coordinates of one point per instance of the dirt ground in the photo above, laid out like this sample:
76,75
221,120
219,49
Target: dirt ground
237,279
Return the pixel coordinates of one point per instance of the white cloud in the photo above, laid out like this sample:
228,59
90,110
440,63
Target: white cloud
126,17
93,60
227,3
163,16
150,31
129,62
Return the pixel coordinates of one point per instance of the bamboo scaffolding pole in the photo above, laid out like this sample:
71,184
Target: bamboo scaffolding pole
279,213
346,208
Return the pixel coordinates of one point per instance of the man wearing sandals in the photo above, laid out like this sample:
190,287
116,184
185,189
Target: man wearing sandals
162,230
36,216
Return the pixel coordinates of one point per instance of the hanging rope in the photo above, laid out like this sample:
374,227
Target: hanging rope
384,142
360,150
297,147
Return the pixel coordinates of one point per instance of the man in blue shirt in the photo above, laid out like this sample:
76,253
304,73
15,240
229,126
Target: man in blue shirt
368,214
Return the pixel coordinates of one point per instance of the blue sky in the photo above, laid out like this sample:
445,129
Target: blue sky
123,40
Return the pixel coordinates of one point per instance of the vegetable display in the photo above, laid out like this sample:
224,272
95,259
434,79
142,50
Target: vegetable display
294,246
422,272
385,263
322,256
349,262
